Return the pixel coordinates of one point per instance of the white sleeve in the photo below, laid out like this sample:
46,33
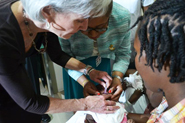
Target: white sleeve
74,74
147,2
132,5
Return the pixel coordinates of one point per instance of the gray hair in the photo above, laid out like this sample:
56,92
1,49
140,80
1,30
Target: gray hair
86,8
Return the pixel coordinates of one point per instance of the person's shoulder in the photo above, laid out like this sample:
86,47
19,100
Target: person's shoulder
120,13
119,19
179,118
119,9
10,38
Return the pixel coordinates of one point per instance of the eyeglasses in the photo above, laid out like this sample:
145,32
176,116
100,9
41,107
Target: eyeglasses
99,30
96,29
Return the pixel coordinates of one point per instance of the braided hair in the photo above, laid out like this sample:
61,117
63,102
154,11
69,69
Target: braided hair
162,36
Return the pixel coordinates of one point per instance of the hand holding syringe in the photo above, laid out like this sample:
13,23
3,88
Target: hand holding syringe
105,88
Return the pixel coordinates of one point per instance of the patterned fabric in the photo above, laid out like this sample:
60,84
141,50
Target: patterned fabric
174,115
80,46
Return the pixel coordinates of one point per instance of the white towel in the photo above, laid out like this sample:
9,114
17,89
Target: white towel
116,117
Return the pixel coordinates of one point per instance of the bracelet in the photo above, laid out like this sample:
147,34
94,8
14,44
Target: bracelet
85,82
116,76
90,70
85,70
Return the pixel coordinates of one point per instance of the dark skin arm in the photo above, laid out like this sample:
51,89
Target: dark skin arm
135,96
137,93
138,118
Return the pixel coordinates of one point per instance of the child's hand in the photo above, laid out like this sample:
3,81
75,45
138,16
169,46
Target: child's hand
130,121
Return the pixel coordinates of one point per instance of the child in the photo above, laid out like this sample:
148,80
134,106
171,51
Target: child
133,96
160,59
139,100
154,101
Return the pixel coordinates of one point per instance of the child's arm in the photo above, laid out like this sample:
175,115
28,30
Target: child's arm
138,118
135,96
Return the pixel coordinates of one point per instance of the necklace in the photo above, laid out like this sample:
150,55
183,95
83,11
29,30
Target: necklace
31,35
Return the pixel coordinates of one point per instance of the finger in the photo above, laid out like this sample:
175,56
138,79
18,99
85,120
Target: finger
107,97
109,112
111,109
99,81
93,91
111,90
110,103
115,98
109,77
116,95
107,80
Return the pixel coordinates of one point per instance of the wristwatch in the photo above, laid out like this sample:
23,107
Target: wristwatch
85,70
116,76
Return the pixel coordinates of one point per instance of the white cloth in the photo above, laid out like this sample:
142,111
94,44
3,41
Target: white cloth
134,6
116,117
139,106
135,80
147,2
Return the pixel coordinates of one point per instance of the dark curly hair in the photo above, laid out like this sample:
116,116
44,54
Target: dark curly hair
162,36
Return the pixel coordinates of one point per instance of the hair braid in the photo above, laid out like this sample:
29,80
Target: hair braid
164,23
151,44
165,45
157,36
143,37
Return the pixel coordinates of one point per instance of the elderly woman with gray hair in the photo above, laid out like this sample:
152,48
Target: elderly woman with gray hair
24,26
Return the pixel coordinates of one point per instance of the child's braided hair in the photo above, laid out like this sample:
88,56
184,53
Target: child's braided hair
162,36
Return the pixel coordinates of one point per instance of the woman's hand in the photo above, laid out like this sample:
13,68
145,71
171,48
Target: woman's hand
90,89
100,77
116,89
100,104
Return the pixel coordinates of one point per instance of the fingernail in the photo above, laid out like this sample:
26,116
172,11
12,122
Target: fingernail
110,91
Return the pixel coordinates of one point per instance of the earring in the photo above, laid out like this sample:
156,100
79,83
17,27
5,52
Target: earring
48,25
